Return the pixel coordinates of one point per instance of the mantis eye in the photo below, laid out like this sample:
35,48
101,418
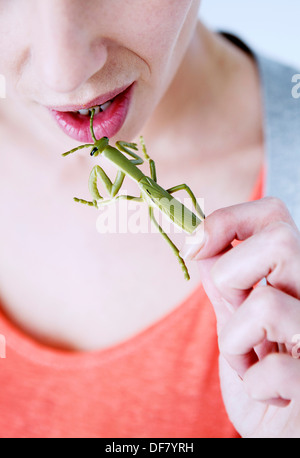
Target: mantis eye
94,151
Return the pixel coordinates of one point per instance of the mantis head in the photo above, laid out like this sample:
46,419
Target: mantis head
99,146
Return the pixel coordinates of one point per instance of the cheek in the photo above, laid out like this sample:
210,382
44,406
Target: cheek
165,36
160,29
155,31
14,47
160,41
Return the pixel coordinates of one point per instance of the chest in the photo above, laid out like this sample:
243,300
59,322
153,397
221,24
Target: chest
78,278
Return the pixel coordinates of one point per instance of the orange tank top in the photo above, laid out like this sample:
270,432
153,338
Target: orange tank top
162,383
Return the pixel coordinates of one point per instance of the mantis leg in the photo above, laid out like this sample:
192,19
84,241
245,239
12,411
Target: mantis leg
100,202
126,147
111,188
172,245
184,187
86,202
150,161
121,197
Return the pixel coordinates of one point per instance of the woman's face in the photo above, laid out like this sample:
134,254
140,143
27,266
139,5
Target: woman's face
60,57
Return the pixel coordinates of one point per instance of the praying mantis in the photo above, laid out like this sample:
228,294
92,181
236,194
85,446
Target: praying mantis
151,193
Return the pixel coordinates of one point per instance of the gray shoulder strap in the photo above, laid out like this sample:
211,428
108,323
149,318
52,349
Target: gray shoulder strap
282,132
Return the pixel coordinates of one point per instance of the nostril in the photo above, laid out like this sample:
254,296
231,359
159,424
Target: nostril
67,64
67,50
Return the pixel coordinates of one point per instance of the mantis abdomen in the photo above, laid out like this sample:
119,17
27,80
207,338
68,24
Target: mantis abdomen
171,207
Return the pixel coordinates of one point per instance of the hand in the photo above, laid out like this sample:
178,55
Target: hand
258,324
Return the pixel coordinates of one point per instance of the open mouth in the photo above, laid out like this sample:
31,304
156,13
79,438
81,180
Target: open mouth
109,117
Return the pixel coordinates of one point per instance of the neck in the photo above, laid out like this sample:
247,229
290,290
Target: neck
206,97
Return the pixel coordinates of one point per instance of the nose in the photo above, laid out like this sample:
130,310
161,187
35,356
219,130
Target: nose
66,50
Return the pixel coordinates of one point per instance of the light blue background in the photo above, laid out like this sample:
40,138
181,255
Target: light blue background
268,26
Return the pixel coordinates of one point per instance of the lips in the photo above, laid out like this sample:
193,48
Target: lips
107,123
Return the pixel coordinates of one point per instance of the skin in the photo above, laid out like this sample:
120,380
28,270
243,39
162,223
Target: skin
190,83
257,326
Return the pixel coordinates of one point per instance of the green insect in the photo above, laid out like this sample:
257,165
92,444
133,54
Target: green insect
150,192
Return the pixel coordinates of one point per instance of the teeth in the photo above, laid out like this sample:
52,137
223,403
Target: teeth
98,109
105,105
84,112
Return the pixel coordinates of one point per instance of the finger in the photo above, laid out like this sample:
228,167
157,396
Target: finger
273,254
266,315
274,380
222,308
237,222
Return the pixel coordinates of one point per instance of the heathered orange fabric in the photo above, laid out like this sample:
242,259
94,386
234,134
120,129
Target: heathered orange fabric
162,383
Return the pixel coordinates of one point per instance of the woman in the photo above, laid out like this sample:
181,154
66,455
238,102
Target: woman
104,338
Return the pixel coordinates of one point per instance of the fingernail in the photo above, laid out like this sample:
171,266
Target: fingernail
193,245
186,253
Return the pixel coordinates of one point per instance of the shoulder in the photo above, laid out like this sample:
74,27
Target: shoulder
279,80
280,85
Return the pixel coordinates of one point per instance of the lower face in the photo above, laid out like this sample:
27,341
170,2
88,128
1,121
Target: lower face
143,53
109,117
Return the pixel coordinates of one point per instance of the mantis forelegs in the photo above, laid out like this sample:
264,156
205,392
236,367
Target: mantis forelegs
112,188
